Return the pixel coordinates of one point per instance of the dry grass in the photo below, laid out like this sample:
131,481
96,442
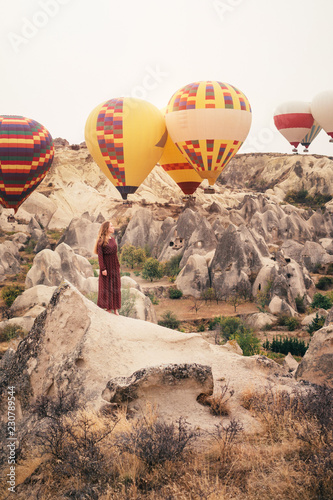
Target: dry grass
291,459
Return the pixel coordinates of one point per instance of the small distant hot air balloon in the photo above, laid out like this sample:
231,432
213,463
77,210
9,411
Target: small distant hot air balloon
126,137
294,120
26,154
322,110
174,163
307,140
208,121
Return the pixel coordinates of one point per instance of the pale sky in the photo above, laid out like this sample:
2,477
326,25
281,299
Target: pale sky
61,58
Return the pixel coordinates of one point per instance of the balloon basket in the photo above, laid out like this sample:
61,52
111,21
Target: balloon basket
331,139
189,198
305,150
127,203
209,190
11,218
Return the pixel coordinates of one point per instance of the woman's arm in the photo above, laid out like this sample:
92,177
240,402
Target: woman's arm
101,262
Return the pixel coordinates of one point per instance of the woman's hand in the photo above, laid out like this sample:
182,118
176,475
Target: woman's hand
104,272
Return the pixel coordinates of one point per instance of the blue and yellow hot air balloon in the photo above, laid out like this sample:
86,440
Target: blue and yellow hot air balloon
208,121
174,163
26,155
126,137
310,136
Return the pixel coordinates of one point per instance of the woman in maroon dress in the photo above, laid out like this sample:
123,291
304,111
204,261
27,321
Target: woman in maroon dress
109,287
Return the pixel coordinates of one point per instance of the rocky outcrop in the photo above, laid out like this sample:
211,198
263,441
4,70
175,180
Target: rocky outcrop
76,347
317,364
9,259
50,268
81,235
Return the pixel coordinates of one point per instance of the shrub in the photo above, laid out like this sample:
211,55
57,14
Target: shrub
127,303
10,292
300,306
152,269
156,442
169,320
292,323
10,331
316,324
321,301
247,341
324,283
229,326
171,268
154,300
201,327
174,293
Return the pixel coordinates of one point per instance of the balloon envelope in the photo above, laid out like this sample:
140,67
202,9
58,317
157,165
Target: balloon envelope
322,110
314,131
126,137
294,120
26,155
208,121
174,163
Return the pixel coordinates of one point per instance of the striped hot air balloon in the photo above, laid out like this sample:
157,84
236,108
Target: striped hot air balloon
174,163
26,155
294,120
306,141
126,137
208,121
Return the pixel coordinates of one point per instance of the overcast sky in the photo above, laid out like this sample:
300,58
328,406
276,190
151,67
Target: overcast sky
61,58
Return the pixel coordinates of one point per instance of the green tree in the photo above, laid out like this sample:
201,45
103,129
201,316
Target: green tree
152,269
321,301
132,256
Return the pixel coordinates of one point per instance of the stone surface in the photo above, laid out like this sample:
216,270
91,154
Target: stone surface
317,363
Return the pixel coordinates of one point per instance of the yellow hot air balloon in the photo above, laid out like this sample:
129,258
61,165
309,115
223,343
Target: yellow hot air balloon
208,121
126,137
174,163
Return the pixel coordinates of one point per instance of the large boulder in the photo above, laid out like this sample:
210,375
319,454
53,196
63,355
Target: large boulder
81,235
37,295
192,234
76,347
317,363
9,259
50,268
193,279
142,230
237,258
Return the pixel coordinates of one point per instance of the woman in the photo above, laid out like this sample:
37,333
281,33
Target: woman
109,288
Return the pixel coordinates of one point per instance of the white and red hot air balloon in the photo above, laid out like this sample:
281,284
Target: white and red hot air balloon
322,110
294,120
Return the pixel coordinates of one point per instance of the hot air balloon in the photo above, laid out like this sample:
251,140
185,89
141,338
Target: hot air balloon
322,110
26,154
208,121
126,137
294,120
174,163
306,141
